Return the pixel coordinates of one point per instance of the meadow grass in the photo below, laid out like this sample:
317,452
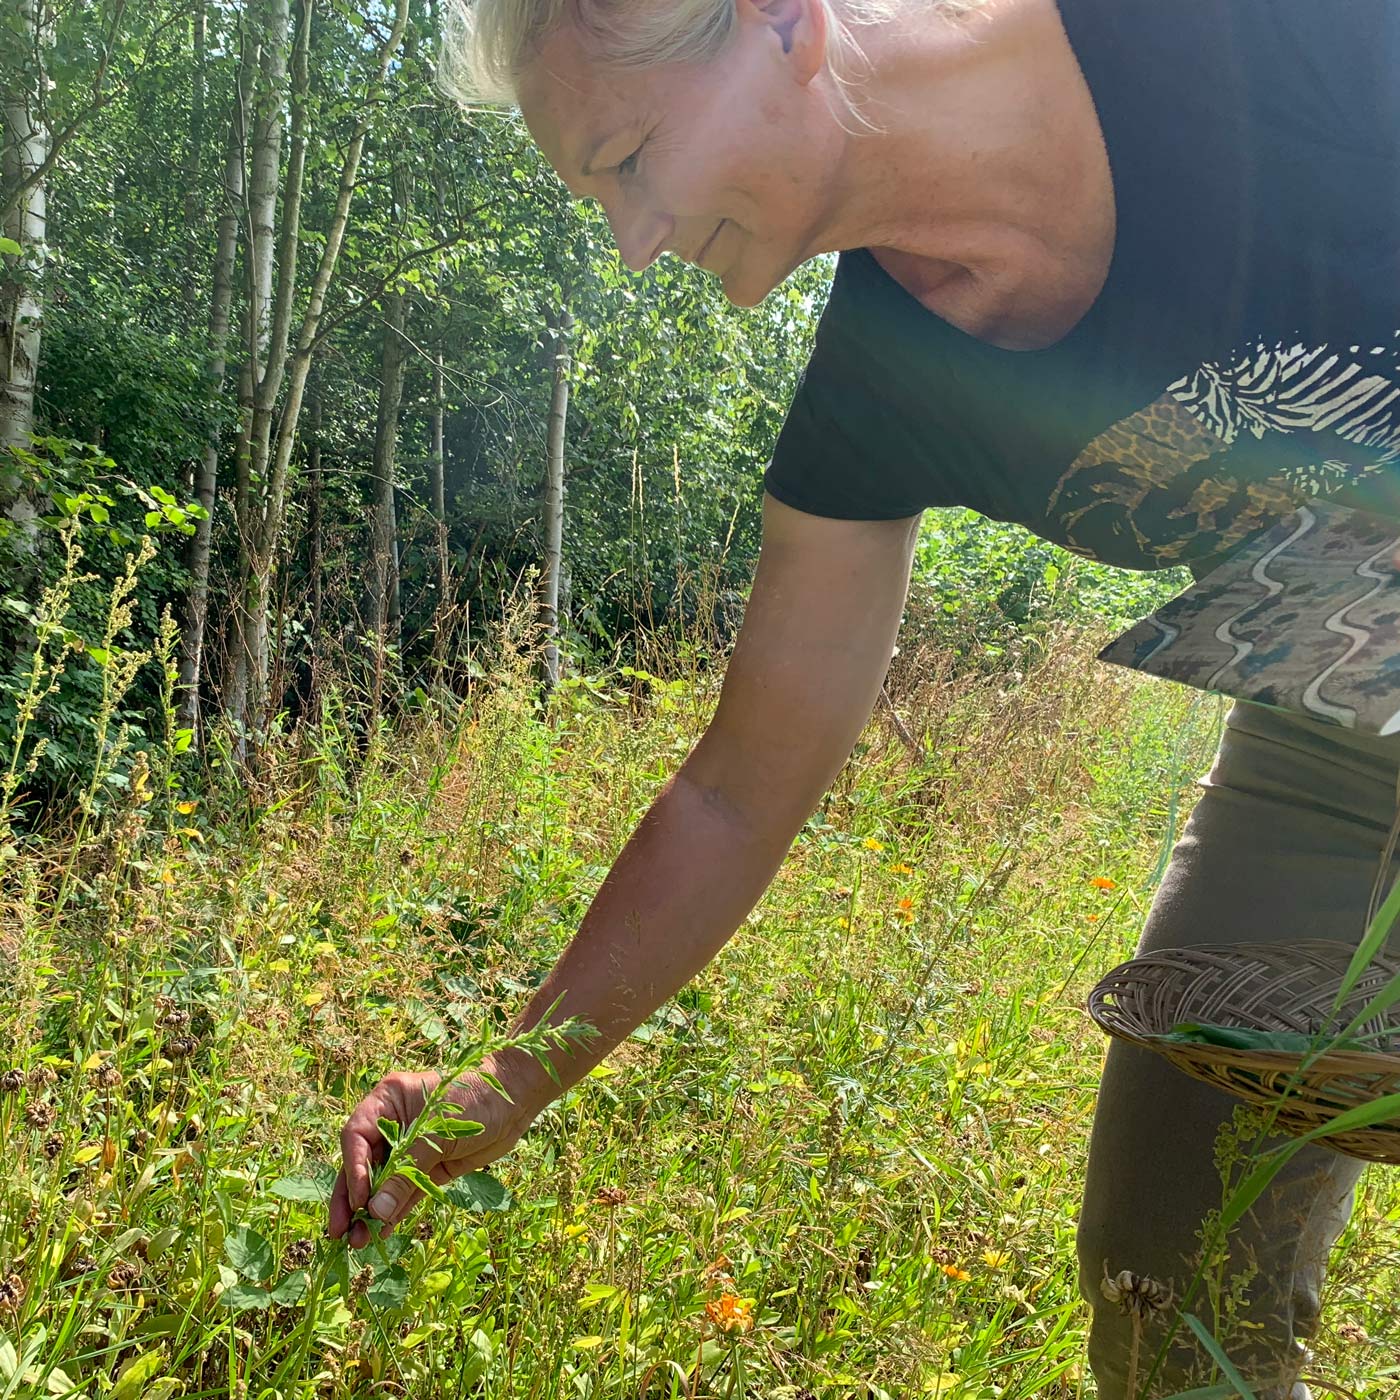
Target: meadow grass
844,1162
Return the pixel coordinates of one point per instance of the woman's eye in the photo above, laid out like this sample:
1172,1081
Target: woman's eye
629,166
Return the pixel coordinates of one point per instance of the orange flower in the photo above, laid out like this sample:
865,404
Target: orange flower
906,910
955,1273
1102,882
900,868
730,1313
1092,918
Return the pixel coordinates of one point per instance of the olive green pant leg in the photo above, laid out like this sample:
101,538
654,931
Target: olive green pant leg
1284,844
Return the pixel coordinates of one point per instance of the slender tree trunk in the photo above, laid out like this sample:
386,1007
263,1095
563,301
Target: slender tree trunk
438,486
194,189
560,327
315,545
25,139
207,474
269,114
272,459
384,535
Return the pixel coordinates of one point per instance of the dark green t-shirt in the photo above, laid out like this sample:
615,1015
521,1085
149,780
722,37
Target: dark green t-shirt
1244,353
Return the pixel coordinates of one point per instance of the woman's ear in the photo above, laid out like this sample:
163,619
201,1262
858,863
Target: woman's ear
801,25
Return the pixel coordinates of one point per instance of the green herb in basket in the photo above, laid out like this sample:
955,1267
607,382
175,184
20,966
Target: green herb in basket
1241,1038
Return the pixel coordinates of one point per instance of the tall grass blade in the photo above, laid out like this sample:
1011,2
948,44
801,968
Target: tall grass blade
1218,1356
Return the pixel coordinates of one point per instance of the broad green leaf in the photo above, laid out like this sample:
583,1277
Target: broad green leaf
477,1191
390,1290
301,1188
450,1127
291,1289
10,248
245,1297
133,1378
249,1253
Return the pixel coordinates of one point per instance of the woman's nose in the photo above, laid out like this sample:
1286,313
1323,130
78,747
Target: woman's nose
639,234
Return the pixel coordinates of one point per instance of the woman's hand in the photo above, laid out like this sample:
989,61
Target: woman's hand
400,1098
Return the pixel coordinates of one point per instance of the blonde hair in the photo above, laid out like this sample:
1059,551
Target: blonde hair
487,43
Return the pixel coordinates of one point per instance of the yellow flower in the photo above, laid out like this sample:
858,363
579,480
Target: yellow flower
730,1313
871,844
1102,882
185,808
955,1273
995,1258
900,868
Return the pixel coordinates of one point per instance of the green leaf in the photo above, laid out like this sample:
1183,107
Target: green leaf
390,1131
301,1188
477,1191
245,1297
134,1376
10,248
1219,1357
291,1289
449,1126
390,1290
249,1253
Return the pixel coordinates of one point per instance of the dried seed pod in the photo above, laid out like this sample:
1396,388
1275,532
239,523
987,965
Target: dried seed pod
12,1081
359,1285
124,1276
610,1196
176,1019
180,1048
40,1077
1133,1293
107,1077
298,1255
53,1146
80,1264
11,1292
40,1115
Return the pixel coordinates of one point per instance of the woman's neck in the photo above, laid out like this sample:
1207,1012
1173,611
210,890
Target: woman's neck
982,184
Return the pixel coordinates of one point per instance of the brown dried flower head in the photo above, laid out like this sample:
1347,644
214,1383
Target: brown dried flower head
41,1076
11,1292
1136,1294
175,1019
107,1077
53,1146
610,1196
181,1048
298,1254
12,1081
124,1275
40,1115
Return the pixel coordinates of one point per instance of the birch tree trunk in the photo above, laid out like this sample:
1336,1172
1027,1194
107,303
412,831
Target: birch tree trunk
194,192
25,139
207,475
288,373
384,533
438,487
560,326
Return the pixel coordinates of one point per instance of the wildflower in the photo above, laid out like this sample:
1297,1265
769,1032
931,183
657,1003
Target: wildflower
610,1196
905,908
298,1255
1102,882
1091,918
995,1258
730,1313
1135,1293
11,1292
185,808
956,1274
900,868
12,1081
40,1116
871,844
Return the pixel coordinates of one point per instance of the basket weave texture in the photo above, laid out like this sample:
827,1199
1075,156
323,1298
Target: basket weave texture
1266,987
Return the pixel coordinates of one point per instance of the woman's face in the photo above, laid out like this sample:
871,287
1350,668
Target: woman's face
725,164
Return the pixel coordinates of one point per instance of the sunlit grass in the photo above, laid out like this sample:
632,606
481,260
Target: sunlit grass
844,1162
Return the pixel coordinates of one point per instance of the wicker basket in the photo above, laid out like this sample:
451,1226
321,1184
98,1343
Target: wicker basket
1266,987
